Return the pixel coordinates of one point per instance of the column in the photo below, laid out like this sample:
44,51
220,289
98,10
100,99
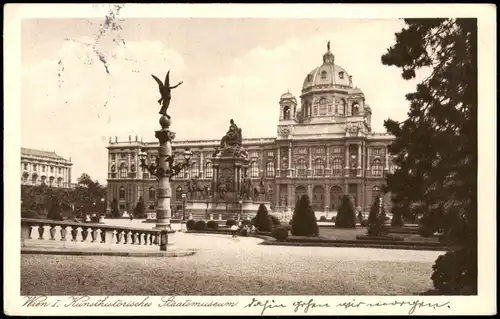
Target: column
387,158
327,170
278,162
309,167
277,195
289,160
164,190
368,155
359,171
201,167
346,160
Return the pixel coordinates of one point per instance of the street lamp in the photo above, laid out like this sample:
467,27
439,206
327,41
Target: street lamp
172,170
208,200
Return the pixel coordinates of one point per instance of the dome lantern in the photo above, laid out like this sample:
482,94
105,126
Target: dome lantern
328,57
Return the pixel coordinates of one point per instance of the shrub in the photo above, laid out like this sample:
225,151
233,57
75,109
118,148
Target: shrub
346,217
376,220
262,220
190,224
275,221
455,273
140,209
287,227
333,218
280,234
200,225
304,220
322,218
212,224
230,222
114,208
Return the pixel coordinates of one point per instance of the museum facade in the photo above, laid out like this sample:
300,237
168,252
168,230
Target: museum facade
324,147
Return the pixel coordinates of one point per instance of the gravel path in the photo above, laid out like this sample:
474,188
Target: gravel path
227,266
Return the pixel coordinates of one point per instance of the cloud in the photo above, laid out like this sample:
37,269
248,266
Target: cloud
71,104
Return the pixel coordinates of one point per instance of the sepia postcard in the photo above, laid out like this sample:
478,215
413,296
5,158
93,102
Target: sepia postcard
249,159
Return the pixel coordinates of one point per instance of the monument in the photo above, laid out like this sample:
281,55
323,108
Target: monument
231,195
165,167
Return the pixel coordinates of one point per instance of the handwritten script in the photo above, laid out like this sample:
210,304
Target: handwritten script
261,306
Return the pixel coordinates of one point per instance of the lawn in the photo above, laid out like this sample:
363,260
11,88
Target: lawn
351,233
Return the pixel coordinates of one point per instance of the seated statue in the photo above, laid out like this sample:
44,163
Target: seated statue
232,139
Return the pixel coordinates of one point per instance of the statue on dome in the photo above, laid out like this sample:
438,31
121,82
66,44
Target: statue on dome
165,91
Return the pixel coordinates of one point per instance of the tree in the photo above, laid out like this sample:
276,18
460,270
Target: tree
262,220
435,148
376,219
346,217
88,194
303,219
140,209
114,208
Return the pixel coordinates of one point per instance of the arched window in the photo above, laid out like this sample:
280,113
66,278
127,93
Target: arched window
355,109
123,170
392,166
195,171
337,166
323,75
342,105
315,110
254,169
51,180
152,194
322,106
286,113
270,169
209,172
43,178
59,182
34,178
121,193
319,167
377,168
184,173
301,167
341,75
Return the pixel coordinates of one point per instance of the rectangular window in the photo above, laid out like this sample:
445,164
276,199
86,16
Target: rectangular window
319,150
43,168
113,157
302,150
59,170
25,166
337,150
52,169
254,154
270,154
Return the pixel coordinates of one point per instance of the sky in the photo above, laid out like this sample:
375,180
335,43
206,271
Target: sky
72,102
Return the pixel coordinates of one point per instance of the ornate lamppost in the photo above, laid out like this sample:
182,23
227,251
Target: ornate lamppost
241,210
164,169
183,221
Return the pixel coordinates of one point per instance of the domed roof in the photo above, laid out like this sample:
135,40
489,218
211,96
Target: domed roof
328,74
287,95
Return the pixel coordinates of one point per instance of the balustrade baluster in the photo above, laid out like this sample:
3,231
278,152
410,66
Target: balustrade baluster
63,232
139,238
52,232
103,235
119,236
96,235
41,230
132,237
30,231
79,235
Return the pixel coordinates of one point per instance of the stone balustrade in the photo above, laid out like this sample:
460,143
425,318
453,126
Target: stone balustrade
67,234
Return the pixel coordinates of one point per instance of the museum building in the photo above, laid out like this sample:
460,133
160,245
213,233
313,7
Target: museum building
325,148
